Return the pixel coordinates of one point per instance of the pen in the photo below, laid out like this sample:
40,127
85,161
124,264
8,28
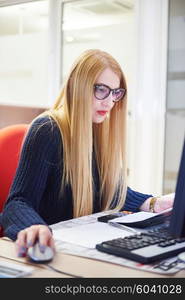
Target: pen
122,227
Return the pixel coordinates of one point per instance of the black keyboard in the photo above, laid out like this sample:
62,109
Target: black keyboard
145,247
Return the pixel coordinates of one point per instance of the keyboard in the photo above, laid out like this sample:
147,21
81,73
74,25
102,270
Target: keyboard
145,247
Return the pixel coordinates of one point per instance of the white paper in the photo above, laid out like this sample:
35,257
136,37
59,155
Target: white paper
89,235
139,216
11,270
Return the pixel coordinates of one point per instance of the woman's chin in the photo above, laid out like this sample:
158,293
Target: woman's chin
99,119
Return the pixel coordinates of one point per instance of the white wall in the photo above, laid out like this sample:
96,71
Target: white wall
176,65
24,69
150,96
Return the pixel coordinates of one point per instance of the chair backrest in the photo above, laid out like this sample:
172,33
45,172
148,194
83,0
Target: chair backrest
11,138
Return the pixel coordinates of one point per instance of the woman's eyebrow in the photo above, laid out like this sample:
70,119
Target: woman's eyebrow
100,83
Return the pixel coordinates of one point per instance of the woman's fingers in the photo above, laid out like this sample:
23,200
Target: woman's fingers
52,243
27,238
164,202
31,237
21,246
44,237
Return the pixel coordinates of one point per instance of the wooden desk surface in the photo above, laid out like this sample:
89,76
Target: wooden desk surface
79,266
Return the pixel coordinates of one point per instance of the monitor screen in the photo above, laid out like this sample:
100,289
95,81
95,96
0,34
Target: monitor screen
177,220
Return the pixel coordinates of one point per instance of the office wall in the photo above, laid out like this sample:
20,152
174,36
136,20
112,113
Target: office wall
24,70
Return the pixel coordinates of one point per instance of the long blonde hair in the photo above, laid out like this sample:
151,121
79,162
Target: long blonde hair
73,114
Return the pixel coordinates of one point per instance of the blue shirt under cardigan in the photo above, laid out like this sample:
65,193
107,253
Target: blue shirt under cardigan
35,196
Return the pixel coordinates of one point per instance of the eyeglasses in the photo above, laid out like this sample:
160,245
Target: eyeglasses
102,91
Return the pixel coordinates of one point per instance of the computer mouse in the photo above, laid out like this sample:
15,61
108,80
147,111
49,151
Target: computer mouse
34,254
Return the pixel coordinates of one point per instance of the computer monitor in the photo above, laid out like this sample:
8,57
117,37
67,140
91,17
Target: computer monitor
177,219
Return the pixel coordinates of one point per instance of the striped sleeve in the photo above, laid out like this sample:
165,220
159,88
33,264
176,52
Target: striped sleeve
134,200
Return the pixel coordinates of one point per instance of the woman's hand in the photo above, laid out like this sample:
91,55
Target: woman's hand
164,202
161,203
26,238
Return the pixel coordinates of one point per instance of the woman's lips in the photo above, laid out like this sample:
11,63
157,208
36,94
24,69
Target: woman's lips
102,112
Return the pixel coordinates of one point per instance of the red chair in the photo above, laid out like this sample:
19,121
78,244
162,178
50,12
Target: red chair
11,138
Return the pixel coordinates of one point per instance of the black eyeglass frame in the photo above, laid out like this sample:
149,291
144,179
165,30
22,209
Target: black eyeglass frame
110,90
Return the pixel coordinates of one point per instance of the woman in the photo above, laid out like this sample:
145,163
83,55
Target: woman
73,159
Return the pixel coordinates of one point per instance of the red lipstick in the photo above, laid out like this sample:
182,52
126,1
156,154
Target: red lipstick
102,112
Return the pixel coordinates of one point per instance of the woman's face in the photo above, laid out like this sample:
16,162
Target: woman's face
101,108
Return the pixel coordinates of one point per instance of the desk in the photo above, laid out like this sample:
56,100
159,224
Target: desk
79,266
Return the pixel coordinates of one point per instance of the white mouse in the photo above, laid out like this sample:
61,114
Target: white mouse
34,254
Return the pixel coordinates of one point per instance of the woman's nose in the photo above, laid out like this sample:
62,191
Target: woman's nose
108,101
